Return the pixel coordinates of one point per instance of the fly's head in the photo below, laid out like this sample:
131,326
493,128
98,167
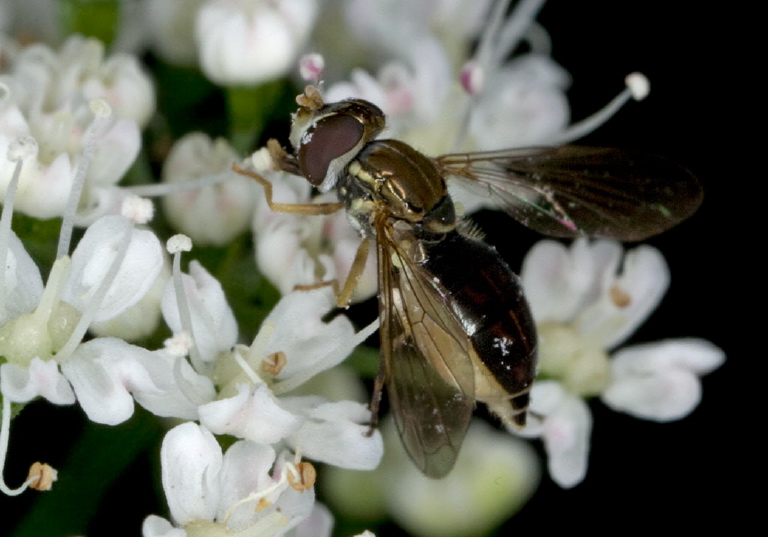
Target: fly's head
327,137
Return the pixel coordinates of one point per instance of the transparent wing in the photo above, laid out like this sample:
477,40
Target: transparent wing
429,373
572,191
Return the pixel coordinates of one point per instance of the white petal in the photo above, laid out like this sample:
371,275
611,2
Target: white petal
523,105
102,372
170,24
253,414
566,428
41,378
660,381
559,281
154,526
250,45
213,322
697,355
335,433
245,471
94,256
191,462
302,335
23,284
115,149
665,396
644,280
107,373
176,389
318,524
214,214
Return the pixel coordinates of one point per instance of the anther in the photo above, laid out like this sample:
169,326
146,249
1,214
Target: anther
303,478
178,243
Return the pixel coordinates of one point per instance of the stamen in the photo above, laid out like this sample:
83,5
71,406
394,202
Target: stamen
97,296
42,476
619,297
262,160
274,363
187,388
258,496
175,245
163,189
102,113
515,29
5,432
639,85
489,40
19,150
637,88
247,369
304,478
179,344
178,243
327,361
311,67
138,210
472,78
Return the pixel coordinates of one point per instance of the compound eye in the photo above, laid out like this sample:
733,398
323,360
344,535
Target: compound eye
329,139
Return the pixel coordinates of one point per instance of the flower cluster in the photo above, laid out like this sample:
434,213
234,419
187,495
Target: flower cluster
118,321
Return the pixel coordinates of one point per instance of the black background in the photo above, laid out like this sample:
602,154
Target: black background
680,475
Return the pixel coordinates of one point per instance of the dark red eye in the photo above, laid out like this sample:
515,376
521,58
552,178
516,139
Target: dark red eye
330,138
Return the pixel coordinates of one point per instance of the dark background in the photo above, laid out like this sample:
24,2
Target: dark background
682,475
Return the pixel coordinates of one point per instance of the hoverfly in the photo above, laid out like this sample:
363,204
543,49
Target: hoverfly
455,327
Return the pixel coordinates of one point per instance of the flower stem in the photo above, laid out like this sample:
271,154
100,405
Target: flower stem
249,109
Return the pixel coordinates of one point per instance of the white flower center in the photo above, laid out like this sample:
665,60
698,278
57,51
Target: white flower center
581,365
44,331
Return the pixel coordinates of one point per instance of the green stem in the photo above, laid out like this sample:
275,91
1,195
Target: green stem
92,18
249,109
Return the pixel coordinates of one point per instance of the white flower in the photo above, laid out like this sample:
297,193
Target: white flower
293,345
107,374
252,405
78,73
495,474
660,381
34,20
249,42
586,301
111,269
564,422
231,492
171,28
140,320
212,214
523,104
214,327
65,100
296,250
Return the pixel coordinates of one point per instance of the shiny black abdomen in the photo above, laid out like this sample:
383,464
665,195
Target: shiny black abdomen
486,296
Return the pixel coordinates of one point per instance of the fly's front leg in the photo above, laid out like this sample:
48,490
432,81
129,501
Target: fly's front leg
292,208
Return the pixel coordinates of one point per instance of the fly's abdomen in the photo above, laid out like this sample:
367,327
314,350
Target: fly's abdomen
486,297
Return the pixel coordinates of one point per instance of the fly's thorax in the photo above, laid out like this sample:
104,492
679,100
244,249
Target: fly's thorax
407,183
